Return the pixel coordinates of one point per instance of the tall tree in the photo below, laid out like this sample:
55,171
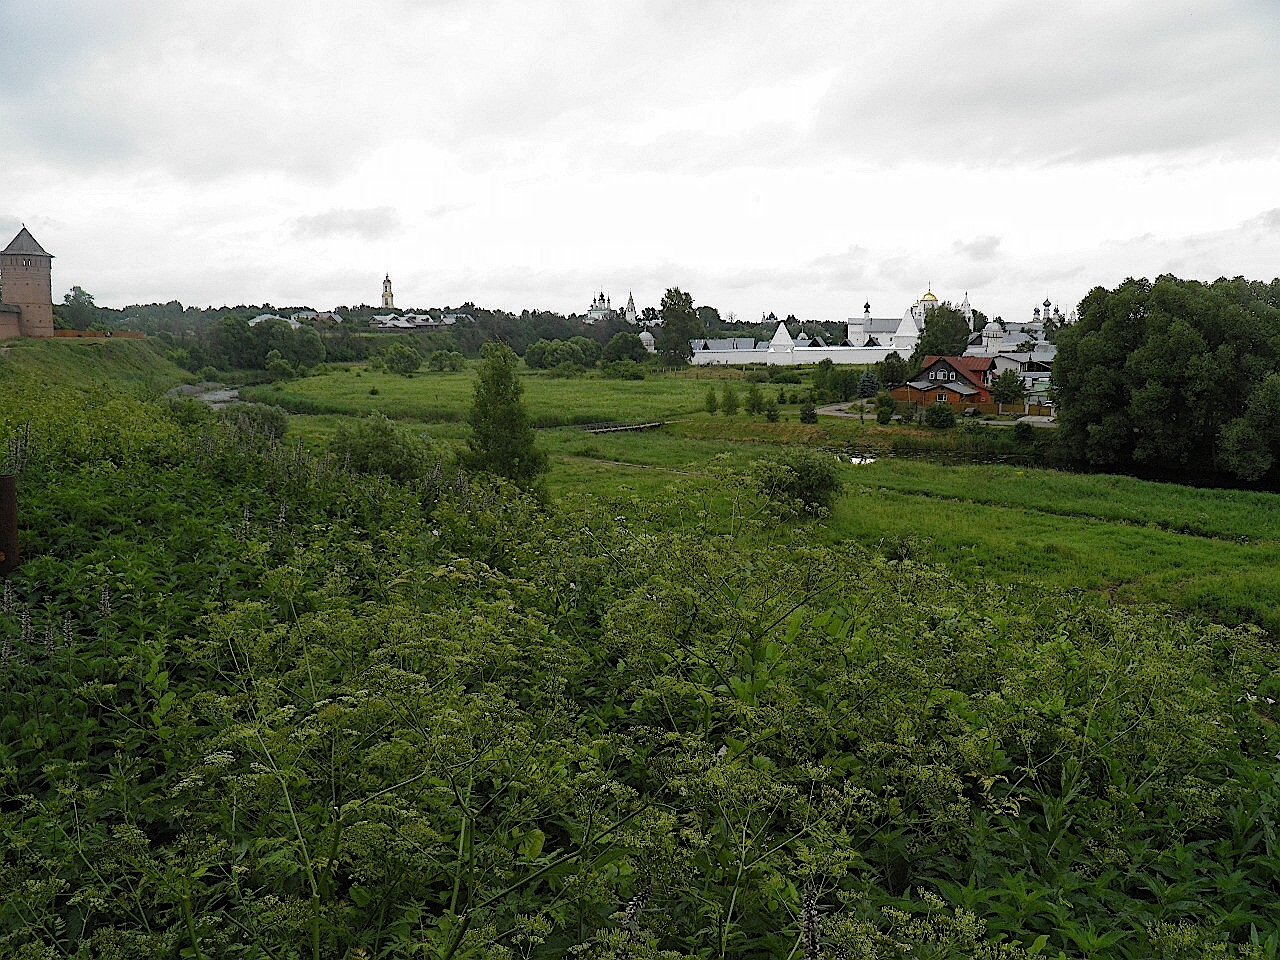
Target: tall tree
1007,387
945,334
502,438
1157,375
680,324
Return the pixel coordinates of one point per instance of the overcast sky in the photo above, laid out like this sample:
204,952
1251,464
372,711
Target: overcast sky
799,157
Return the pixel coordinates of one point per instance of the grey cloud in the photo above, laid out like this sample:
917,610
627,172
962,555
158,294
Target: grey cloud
983,248
370,223
1050,82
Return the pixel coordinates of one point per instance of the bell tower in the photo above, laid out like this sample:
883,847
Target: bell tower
388,298
26,282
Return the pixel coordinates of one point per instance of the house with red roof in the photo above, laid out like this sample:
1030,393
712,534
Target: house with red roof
958,381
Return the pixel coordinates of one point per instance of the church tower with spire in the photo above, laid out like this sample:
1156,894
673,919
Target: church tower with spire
630,314
388,298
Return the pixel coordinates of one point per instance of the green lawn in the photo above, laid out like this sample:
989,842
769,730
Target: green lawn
444,397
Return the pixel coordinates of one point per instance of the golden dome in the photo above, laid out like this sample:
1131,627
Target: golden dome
929,298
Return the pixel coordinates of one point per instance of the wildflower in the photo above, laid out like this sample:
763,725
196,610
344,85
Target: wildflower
104,603
26,625
66,629
634,906
50,639
8,597
809,920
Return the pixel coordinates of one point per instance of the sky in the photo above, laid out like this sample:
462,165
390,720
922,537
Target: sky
763,155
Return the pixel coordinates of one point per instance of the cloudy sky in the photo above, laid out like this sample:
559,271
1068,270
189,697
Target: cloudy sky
800,157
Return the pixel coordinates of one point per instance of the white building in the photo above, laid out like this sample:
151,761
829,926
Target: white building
629,314
601,308
388,298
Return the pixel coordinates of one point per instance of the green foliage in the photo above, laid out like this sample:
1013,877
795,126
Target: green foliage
256,419
579,352
807,412
621,370
77,310
729,400
1161,375
402,359
893,370
278,368
1023,433
712,403
801,476
945,334
442,360
680,324
754,402
297,712
770,410
375,445
940,416
869,385
502,439
1007,387
625,346
886,407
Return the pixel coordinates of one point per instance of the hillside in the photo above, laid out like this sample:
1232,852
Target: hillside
256,703
132,365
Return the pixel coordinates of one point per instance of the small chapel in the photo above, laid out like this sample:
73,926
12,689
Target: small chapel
26,289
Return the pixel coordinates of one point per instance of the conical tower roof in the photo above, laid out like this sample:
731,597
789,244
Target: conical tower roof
25,244
781,338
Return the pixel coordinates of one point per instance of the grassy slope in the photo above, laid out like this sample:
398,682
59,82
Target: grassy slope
79,364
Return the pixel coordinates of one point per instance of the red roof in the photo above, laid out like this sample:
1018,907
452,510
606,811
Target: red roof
973,369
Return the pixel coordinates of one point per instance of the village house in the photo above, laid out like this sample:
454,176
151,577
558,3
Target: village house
957,381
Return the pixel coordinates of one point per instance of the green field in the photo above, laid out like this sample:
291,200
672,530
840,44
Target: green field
443,397
1117,539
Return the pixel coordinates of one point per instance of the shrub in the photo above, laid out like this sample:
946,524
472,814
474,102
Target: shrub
621,370
729,402
256,419
446,360
757,376
798,476
374,445
754,403
278,368
940,416
711,400
625,346
402,359
770,410
208,373
807,413
783,375
886,406
1023,434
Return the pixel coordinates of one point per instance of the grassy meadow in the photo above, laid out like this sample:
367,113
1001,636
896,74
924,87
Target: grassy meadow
1114,538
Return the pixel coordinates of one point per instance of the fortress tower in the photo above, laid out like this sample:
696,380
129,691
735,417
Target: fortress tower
26,289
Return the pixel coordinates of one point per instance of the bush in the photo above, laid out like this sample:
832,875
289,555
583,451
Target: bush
798,476
770,410
757,376
729,402
256,419
1024,434
711,400
278,368
886,406
783,375
621,370
940,416
402,359
441,360
807,413
374,445
625,346
208,373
